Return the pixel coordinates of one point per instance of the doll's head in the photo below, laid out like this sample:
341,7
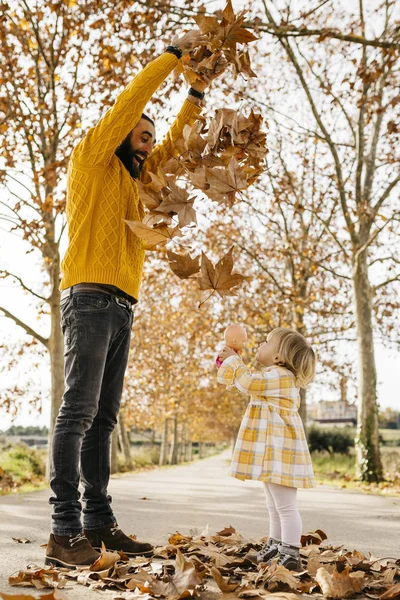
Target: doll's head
235,337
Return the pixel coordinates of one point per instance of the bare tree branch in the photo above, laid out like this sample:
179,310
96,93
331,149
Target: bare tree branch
26,327
5,274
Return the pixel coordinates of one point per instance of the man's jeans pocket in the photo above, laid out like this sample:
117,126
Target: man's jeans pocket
90,302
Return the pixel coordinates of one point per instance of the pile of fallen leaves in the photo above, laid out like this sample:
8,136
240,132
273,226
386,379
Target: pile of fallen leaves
217,158
204,566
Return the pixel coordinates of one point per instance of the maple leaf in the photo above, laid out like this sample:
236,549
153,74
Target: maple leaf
340,585
220,278
179,585
222,583
225,183
149,197
223,36
183,265
178,202
159,235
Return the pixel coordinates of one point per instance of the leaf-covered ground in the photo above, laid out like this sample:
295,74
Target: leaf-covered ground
224,566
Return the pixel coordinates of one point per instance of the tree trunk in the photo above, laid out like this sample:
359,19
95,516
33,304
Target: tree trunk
114,451
303,408
56,352
173,457
164,444
201,449
300,328
369,466
189,451
125,443
56,349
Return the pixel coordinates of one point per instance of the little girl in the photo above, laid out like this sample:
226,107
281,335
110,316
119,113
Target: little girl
271,445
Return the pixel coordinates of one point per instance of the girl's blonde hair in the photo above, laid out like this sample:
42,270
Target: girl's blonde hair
295,354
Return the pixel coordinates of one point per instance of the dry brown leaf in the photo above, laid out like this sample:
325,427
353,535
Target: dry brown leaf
314,537
219,278
274,575
227,531
177,538
150,198
22,540
340,585
392,593
105,561
179,585
225,183
183,265
179,203
222,583
158,235
39,578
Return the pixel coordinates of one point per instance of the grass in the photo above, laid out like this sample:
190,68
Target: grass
22,469
339,470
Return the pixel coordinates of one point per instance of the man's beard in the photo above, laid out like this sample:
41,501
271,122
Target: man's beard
126,154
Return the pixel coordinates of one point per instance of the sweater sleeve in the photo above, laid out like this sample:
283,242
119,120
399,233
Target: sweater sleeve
162,152
100,143
234,373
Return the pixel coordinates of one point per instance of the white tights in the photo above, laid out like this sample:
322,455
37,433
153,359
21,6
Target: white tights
285,522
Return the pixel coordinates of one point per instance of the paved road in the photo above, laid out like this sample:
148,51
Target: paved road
194,496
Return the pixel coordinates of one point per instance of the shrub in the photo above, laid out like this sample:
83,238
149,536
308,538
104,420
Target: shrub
332,440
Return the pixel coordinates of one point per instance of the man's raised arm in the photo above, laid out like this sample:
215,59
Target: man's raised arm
100,143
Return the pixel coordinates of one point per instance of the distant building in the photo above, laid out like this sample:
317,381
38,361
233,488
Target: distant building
334,412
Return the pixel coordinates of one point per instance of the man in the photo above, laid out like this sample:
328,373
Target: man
101,278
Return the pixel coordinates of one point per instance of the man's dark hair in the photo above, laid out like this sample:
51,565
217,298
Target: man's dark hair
144,116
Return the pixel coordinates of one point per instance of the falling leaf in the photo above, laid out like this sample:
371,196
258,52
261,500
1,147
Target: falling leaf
178,202
225,183
219,278
183,265
153,236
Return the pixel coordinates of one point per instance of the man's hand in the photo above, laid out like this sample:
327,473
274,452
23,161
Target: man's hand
190,40
220,65
226,353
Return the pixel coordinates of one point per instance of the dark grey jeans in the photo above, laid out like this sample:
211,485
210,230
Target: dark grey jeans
97,330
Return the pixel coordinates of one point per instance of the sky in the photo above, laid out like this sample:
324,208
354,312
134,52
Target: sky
14,258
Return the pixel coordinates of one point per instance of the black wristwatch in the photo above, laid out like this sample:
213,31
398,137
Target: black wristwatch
174,50
196,93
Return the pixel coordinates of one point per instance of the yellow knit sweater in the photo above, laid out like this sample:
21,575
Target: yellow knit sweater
101,193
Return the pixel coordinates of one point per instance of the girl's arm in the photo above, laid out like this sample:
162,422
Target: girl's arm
234,373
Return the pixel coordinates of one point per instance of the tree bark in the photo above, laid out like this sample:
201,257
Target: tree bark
114,451
369,465
173,457
56,349
164,444
125,443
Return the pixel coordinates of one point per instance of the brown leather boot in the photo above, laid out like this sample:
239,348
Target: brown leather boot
70,551
115,539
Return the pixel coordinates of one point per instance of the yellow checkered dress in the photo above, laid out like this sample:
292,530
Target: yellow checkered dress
271,444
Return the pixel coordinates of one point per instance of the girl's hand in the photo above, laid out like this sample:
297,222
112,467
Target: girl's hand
226,353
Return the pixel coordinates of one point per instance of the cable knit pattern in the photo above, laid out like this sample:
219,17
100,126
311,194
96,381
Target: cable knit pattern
101,194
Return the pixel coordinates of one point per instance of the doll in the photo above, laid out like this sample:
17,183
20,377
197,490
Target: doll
235,338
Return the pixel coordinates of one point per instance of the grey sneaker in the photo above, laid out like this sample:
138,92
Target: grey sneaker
289,557
268,551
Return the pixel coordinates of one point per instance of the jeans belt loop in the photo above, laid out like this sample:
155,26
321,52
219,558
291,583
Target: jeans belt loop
123,302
